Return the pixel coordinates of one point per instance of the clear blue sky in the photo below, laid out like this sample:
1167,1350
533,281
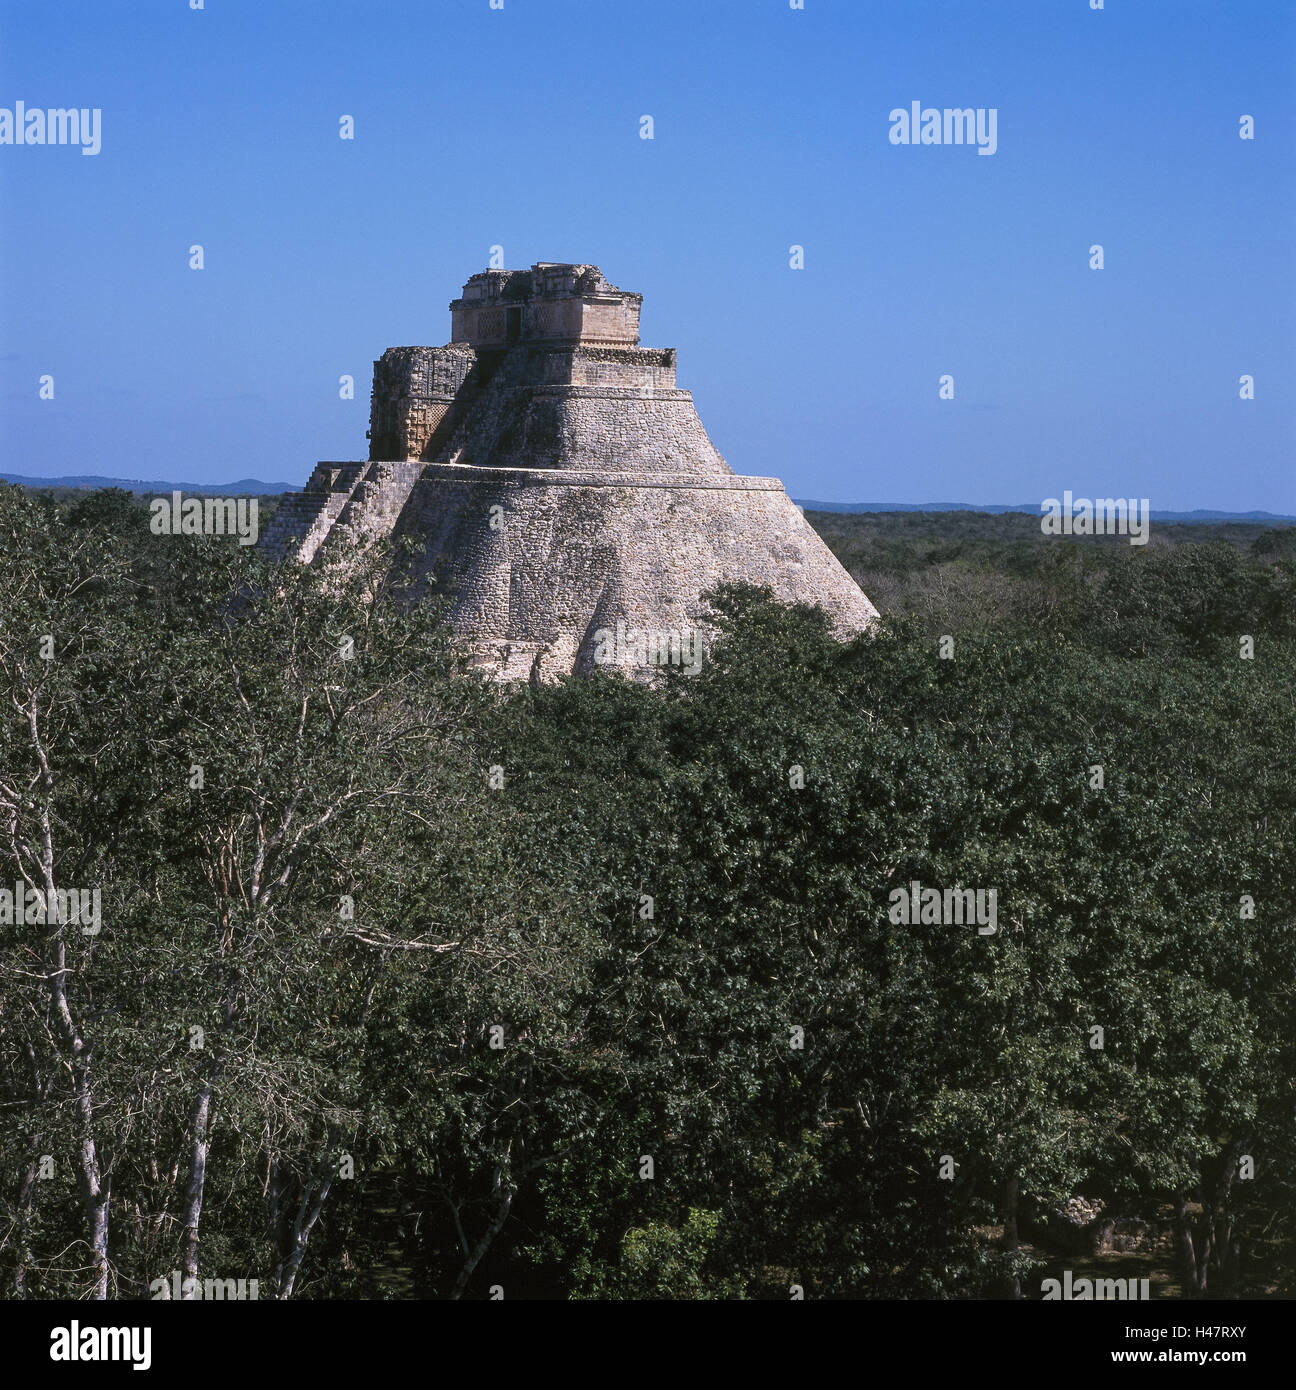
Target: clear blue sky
521,127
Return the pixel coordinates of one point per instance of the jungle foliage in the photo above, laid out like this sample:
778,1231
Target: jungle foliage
411,986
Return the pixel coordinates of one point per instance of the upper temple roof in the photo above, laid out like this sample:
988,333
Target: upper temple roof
552,302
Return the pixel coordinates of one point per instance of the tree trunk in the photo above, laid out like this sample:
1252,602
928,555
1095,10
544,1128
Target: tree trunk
95,1188
504,1187
301,1232
1011,1240
276,1222
26,1196
1215,1244
1186,1248
194,1192
1011,1194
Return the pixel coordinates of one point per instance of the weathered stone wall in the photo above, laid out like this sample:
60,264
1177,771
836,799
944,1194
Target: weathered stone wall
415,392
551,301
652,368
570,552
604,426
530,407
601,321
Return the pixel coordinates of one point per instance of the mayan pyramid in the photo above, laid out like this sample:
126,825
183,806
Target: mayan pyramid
559,486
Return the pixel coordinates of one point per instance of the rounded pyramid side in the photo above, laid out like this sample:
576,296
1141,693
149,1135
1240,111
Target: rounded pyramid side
538,564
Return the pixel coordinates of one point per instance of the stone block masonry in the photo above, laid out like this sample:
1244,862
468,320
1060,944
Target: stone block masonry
557,482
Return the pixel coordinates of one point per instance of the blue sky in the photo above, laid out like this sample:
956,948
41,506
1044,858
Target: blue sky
520,127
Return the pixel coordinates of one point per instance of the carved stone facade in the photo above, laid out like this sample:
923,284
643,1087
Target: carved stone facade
559,483
551,303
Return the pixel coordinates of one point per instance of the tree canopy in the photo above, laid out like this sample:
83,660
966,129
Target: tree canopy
408,985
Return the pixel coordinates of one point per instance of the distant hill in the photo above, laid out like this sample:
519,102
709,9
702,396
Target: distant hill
254,487
244,487
1030,508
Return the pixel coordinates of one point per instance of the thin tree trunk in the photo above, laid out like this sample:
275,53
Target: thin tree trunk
95,1188
1011,1240
1215,1242
1011,1196
26,1197
501,1184
194,1192
301,1233
1185,1247
276,1221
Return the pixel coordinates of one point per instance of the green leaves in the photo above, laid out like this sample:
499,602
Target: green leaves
666,934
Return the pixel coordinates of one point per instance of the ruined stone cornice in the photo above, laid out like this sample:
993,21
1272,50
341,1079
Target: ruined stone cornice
578,477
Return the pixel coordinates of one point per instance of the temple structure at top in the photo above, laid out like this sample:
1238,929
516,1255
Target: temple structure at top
550,303
543,370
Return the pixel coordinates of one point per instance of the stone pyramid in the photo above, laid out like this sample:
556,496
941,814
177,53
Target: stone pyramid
560,487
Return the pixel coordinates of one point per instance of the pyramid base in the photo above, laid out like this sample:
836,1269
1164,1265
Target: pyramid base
553,572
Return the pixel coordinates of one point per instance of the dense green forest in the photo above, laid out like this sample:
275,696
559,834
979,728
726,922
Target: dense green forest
407,985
